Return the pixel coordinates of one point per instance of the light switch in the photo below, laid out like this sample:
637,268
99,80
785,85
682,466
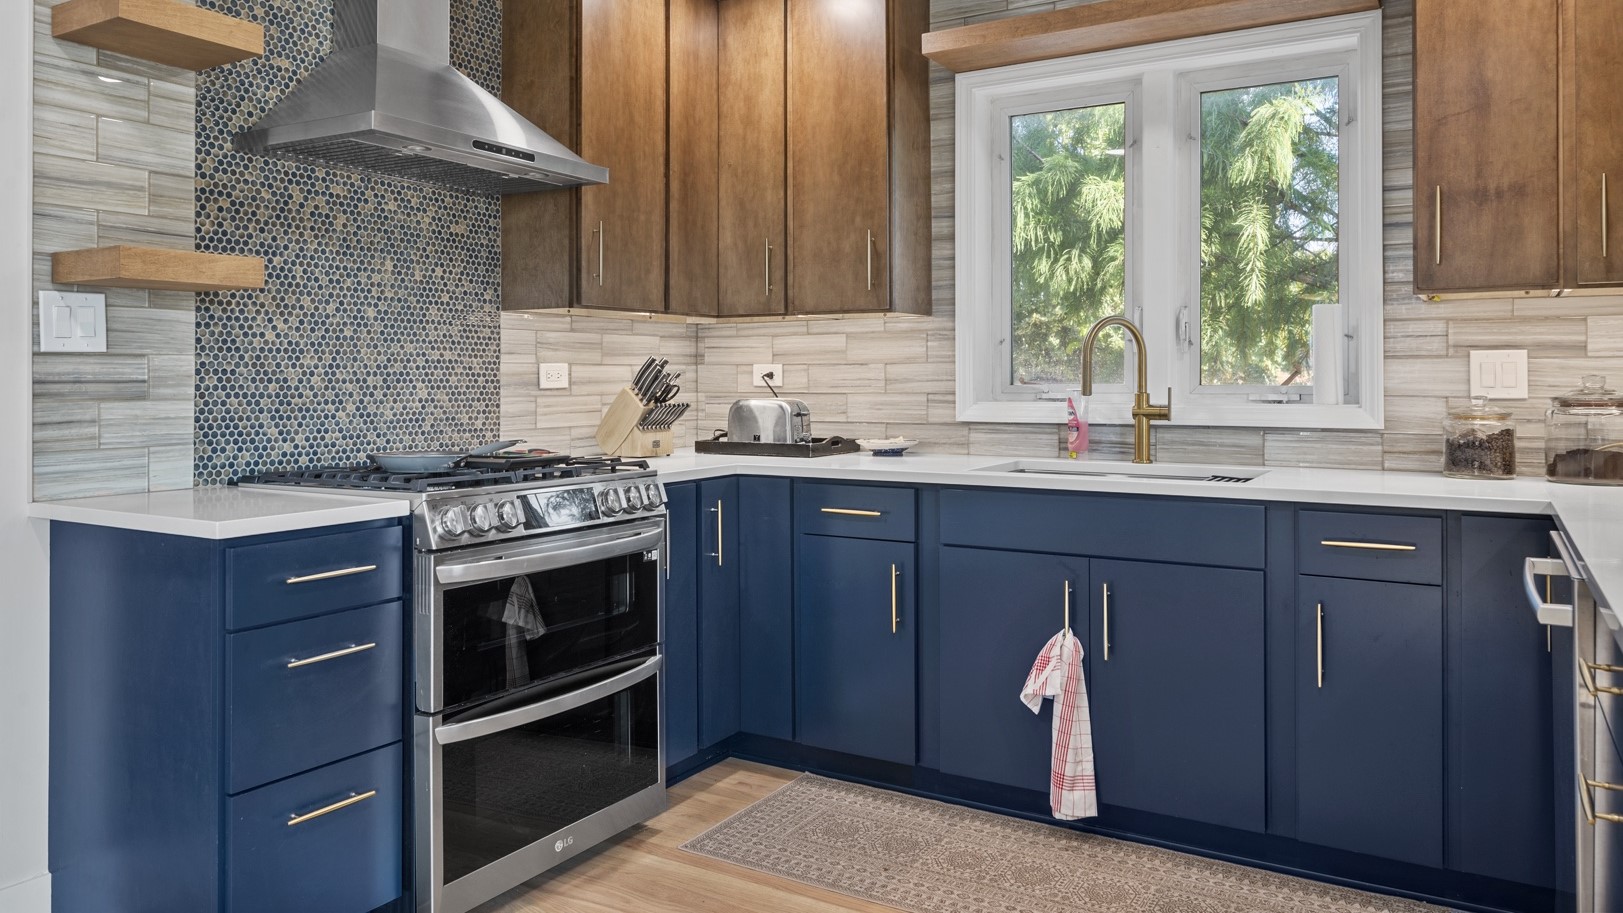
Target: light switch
72,321
1499,373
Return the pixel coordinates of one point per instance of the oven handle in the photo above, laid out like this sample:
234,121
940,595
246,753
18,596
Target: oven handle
521,716
505,566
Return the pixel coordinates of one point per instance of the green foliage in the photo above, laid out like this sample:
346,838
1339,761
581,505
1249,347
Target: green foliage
1269,195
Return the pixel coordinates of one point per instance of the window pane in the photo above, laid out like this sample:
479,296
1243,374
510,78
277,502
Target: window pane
1269,246
1069,224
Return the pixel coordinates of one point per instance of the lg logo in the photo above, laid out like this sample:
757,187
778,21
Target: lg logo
559,846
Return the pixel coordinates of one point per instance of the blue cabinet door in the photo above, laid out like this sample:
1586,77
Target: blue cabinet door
855,641
681,673
1369,733
997,611
719,562
766,698
1499,717
1176,687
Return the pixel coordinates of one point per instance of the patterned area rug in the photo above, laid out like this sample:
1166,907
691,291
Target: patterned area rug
929,857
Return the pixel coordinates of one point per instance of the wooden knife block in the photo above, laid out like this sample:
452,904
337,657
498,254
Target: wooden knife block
619,435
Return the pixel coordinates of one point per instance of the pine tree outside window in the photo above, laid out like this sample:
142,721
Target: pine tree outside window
1223,193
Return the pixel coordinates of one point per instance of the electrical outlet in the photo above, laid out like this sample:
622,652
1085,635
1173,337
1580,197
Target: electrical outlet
1499,373
555,376
775,370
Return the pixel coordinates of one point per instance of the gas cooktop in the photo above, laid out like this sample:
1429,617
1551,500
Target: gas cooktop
475,472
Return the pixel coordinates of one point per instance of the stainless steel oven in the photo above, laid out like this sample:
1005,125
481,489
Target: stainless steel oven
539,696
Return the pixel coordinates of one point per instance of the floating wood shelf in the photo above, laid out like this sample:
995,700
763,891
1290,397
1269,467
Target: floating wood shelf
1110,24
156,268
163,31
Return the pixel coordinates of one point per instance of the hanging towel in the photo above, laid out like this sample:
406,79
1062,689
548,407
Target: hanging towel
521,610
1072,791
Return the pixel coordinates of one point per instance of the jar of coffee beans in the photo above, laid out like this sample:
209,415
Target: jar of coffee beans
1479,442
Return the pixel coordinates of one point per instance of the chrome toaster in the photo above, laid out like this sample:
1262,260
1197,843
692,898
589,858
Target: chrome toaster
769,421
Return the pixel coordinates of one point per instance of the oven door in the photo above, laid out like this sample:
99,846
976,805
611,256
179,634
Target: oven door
507,795
503,618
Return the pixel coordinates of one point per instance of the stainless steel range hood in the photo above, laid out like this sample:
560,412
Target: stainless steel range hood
387,100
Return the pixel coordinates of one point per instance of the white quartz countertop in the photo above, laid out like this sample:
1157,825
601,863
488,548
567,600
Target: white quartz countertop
220,511
1592,518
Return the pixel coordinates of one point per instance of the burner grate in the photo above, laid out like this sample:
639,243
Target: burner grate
477,472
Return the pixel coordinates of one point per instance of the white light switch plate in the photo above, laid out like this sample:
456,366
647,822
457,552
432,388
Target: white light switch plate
72,321
775,370
554,376
1499,373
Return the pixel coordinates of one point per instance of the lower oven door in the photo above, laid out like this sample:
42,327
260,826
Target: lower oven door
504,796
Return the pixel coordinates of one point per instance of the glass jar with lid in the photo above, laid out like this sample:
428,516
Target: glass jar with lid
1583,440
1479,442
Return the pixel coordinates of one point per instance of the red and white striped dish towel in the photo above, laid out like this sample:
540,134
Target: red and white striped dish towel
1072,790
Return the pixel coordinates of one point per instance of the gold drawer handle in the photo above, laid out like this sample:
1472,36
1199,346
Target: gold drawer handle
347,651
330,575
342,804
848,512
1586,670
1368,546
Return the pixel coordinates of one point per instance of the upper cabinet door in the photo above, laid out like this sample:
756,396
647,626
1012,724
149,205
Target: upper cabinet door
754,258
622,127
1595,188
839,156
1487,142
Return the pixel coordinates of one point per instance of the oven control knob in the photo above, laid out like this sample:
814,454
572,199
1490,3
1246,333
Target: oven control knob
652,496
633,498
453,521
609,499
509,516
484,518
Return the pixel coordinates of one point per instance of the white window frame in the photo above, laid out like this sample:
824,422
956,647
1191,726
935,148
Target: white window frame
1162,84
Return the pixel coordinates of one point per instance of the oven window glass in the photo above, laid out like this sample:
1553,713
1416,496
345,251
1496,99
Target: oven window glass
505,791
508,634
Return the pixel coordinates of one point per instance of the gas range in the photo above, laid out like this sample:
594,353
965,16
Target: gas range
497,498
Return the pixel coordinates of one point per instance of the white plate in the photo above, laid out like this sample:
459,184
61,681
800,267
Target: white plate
895,447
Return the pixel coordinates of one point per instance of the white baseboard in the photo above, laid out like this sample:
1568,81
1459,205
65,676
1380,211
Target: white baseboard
31,896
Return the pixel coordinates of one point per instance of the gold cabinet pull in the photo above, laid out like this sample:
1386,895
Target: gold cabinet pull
1590,815
850,512
1604,207
717,511
341,804
1587,670
1319,613
347,651
1104,589
1437,228
1368,546
1067,606
894,573
330,575
870,259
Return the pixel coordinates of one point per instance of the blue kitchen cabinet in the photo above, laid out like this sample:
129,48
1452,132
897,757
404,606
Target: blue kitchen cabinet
1499,708
1369,717
681,672
227,720
719,564
766,699
856,646
998,609
1176,688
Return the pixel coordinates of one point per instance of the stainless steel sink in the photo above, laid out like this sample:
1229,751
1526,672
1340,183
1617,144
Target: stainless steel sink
1100,469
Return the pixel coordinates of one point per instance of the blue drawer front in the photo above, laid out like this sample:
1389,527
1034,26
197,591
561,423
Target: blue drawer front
285,720
856,511
272,582
346,861
1370,546
1143,529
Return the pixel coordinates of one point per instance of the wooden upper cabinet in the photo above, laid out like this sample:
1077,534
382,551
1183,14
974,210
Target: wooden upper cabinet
694,107
754,255
1595,183
592,73
1487,207
858,156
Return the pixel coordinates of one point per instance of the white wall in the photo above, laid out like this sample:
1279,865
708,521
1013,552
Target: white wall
24,883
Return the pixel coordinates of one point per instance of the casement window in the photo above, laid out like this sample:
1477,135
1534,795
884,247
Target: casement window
1223,193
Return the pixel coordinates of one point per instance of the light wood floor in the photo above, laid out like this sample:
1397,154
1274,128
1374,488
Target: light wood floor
645,870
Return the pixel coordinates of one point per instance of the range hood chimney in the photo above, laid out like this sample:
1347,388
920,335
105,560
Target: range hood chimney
387,100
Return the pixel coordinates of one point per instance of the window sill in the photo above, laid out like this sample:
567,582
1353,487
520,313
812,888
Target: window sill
1186,412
